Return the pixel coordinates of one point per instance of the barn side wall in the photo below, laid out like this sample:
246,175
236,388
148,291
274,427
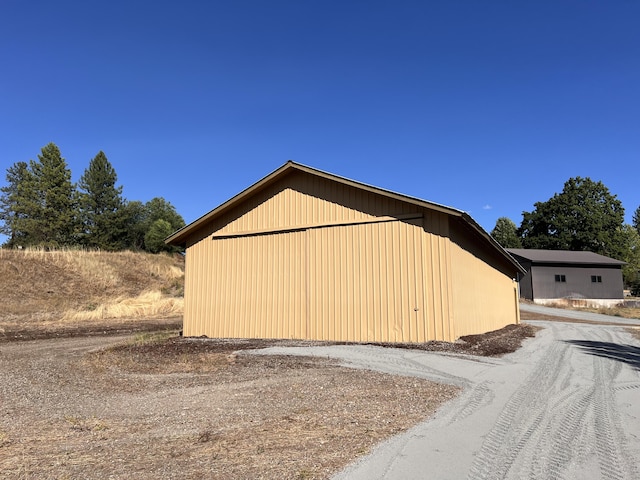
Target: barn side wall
374,282
484,298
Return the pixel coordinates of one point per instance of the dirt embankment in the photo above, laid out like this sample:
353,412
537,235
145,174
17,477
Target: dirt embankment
63,293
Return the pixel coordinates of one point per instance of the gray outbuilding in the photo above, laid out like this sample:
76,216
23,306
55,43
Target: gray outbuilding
582,278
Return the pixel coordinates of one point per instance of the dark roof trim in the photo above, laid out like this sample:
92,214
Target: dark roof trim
179,237
538,256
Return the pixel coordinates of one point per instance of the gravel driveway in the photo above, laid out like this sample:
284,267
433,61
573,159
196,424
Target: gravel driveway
565,406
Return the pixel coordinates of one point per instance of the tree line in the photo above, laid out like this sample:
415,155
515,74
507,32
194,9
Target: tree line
41,207
585,216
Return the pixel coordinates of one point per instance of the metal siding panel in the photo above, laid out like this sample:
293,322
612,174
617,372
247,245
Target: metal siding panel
251,287
299,199
436,264
362,282
190,294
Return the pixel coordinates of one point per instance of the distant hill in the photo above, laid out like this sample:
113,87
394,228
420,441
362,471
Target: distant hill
70,286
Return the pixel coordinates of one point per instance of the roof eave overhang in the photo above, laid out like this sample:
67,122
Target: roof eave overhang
179,237
482,232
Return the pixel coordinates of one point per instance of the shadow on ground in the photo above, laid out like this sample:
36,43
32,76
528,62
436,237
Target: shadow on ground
622,353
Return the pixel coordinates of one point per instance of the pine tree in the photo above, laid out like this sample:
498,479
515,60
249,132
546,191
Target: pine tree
50,201
134,215
101,206
505,233
10,203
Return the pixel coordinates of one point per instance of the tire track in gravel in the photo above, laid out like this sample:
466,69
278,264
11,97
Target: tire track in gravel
556,409
520,419
608,432
543,432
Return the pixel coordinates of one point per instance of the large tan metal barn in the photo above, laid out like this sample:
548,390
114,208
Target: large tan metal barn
306,254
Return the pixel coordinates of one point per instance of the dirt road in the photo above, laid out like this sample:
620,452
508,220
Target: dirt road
565,406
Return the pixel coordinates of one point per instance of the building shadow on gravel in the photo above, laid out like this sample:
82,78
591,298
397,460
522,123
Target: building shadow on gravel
622,353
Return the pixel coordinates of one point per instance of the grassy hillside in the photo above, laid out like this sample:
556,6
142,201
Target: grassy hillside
72,286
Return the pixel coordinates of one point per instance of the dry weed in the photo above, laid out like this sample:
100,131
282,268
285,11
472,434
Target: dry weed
618,311
252,417
146,305
45,286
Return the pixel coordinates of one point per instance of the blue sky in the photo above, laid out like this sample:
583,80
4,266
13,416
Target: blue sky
487,106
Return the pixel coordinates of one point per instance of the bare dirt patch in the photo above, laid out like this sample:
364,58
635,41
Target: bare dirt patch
21,330
182,408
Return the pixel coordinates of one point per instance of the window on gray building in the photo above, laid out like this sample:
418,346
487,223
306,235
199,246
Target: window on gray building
561,278
596,279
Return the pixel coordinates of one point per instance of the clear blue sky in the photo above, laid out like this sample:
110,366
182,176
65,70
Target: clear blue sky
485,106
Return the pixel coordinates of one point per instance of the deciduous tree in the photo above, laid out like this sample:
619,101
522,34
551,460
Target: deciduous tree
584,216
154,238
141,217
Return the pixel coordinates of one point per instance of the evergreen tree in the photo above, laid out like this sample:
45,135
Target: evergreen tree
630,253
40,206
584,216
505,233
101,206
10,203
134,215
636,219
50,205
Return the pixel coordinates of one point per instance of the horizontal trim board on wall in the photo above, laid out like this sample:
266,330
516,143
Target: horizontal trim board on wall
389,218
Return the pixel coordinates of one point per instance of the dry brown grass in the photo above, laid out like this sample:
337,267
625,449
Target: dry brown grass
40,287
621,311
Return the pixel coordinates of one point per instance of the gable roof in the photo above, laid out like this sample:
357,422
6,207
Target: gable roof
179,237
563,256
